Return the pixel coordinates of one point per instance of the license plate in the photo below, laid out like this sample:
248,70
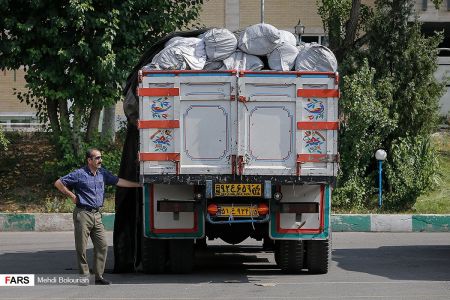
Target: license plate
237,189
238,211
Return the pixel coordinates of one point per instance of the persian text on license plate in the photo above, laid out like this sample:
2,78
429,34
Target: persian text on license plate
238,211
237,189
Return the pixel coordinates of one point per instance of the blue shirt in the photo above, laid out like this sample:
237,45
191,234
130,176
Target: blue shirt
89,188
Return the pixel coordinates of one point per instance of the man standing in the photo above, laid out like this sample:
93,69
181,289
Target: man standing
88,185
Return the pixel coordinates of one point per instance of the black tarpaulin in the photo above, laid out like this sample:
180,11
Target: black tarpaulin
129,203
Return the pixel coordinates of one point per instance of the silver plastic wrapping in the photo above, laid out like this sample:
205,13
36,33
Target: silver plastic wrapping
288,37
214,65
315,57
180,54
243,61
259,39
219,44
283,57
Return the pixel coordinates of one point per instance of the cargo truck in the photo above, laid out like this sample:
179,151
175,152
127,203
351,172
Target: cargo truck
237,154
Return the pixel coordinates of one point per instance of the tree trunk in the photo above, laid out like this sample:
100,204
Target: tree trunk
352,24
66,130
340,47
76,130
109,124
94,119
52,111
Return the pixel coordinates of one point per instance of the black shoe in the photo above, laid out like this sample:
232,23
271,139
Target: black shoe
102,281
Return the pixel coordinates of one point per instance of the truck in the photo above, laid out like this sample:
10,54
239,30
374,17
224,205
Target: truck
236,154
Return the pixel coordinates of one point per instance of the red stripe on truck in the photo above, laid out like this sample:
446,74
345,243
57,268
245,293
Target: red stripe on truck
144,124
145,156
318,125
158,92
318,93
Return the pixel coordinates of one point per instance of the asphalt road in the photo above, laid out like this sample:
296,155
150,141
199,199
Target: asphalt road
365,266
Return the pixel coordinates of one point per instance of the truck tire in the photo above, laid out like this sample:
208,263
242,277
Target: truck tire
289,256
181,256
154,255
318,256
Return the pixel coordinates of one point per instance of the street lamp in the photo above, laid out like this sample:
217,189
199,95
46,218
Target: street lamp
380,155
299,30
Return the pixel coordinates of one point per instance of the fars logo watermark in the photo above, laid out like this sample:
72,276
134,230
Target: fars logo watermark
16,279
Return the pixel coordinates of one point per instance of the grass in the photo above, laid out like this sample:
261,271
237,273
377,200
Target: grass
437,201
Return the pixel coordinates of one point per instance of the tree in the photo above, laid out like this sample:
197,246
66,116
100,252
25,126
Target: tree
389,100
77,55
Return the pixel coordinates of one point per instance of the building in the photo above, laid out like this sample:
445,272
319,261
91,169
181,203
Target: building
234,15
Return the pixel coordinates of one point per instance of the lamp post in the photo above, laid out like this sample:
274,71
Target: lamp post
299,30
380,155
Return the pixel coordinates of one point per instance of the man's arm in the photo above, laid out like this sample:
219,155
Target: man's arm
128,184
63,189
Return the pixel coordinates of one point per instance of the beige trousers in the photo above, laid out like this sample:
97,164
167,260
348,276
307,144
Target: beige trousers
90,224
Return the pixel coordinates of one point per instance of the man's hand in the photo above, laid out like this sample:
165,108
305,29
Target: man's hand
63,189
129,184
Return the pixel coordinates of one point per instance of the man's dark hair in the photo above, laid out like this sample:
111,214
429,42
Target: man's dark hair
89,152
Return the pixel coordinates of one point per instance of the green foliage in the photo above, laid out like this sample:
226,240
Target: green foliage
335,14
3,141
70,161
365,121
389,100
78,54
412,169
55,205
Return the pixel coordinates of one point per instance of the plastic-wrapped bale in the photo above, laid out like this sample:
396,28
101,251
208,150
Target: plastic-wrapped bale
173,40
219,44
243,61
180,54
283,57
315,57
288,37
259,39
214,65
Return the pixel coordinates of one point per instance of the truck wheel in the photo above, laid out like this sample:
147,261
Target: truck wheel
154,255
318,256
181,259
289,256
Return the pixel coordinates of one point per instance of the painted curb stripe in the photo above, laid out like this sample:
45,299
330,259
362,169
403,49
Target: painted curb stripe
350,223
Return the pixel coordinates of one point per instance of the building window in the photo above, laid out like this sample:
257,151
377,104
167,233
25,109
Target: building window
424,4
320,39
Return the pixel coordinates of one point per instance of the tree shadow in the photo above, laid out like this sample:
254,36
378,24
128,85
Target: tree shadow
426,263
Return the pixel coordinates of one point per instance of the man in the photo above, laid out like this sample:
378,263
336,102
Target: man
88,185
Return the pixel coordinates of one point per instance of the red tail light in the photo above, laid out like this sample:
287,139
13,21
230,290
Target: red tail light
263,209
212,209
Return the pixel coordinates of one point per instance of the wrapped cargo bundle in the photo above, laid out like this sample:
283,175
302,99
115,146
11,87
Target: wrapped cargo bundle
259,39
288,37
283,57
243,61
180,54
219,44
216,49
315,57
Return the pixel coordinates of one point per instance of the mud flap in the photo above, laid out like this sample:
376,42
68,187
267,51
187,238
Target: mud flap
291,226
171,225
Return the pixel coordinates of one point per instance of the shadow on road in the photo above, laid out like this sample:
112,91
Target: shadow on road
244,264
427,263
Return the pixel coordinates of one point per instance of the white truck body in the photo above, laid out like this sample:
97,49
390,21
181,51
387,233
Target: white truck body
235,154
201,120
